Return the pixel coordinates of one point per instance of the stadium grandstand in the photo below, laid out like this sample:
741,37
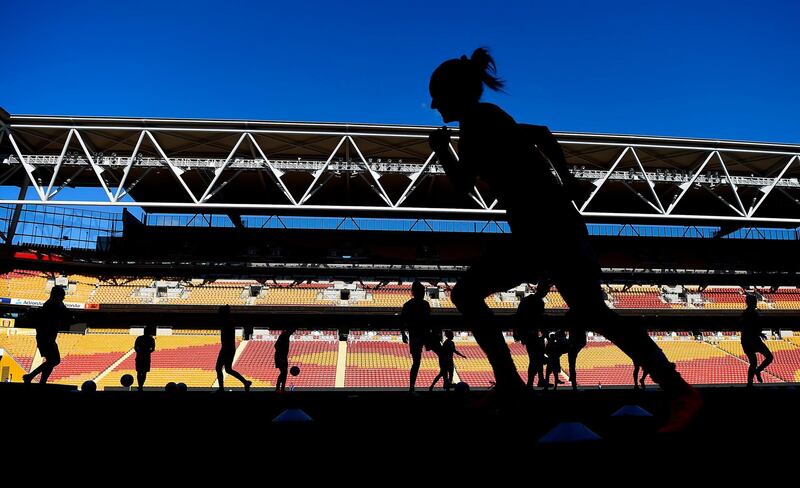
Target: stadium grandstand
325,226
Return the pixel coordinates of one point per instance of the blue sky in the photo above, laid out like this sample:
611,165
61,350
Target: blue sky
723,69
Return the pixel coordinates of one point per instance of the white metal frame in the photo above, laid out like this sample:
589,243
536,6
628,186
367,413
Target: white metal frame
416,171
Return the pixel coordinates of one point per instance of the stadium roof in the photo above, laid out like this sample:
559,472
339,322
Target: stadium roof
252,167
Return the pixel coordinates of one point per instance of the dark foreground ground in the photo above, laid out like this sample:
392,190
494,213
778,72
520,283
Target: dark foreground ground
466,435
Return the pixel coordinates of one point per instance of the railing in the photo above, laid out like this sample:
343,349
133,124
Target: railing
72,228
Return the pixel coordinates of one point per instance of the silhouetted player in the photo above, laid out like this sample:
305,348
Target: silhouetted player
548,235
227,335
575,343
636,380
556,346
48,320
447,366
530,321
751,340
282,358
415,319
144,346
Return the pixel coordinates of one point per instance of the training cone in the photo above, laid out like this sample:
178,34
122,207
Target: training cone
631,411
569,432
292,415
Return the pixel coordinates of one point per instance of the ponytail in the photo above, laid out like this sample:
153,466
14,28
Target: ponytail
484,64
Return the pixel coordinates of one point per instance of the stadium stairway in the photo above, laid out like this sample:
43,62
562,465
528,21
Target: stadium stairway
341,364
116,363
37,360
15,369
732,347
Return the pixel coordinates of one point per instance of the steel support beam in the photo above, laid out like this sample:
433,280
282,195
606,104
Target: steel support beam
12,225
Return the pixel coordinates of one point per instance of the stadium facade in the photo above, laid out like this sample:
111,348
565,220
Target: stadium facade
324,225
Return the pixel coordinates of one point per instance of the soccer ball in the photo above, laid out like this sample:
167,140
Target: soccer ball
126,380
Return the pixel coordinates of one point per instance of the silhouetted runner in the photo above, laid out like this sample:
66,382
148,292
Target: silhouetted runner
530,322
227,335
548,235
48,321
144,346
556,347
447,366
415,329
751,340
575,343
282,358
636,379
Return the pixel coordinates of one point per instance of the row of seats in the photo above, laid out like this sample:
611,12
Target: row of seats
375,359
115,294
385,363
27,286
85,356
212,295
290,296
34,285
315,358
187,359
646,300
21,346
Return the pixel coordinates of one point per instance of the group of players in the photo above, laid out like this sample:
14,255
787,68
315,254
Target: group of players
54,316
545,342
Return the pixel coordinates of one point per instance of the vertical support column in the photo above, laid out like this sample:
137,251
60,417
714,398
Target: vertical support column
12,225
